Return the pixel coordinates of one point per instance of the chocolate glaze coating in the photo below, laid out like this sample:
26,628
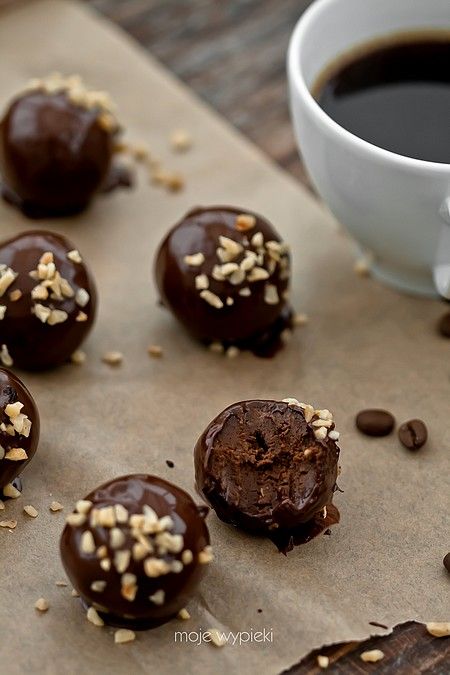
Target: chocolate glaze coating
134,492
15,430
249,321
54,155
261,467
34,345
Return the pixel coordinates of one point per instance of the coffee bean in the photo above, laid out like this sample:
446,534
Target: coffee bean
444,325
413,434
375,422
446,562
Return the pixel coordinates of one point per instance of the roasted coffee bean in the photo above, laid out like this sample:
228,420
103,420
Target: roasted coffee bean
446,562
413,434
375,422
444,325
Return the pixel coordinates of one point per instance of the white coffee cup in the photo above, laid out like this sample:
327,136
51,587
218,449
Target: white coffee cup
394,206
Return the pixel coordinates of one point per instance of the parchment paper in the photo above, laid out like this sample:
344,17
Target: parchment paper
365,346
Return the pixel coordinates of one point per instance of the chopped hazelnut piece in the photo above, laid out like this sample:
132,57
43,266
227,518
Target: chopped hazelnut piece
78,357
217,638
74,256
16,455
41,605
300,319
83,506
2,311
271,295
11,491
81,317
372,656
206,556
438,629
82,297
112,358
5,357
180,140
76,519
10,524
155,350
87,543
15,295
232,352
74,593
124,635
56,506
98,586
194,260
323,661
93,616
61,584
31,511
212,299
201,282
245,222
158,597
183,614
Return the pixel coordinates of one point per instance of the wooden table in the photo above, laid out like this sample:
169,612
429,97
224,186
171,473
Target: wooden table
232,53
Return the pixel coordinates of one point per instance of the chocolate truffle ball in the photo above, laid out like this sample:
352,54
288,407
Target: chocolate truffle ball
19,427
224,273
269,467
47,300
56,146
135,549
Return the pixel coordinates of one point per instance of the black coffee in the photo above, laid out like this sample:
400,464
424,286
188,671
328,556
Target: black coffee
394,94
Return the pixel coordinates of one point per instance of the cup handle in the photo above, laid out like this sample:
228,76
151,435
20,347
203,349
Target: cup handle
441,267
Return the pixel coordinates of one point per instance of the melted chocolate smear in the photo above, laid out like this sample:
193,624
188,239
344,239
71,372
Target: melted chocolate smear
285,540
120,176
33,211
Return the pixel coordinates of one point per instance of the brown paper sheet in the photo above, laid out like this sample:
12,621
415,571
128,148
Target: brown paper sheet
365,346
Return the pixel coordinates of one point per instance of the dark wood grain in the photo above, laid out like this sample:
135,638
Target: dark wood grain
232,53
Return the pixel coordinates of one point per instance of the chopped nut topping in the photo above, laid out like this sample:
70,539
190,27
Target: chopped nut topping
57,316
83,506
15,295
155,350
16,455
438,629
232,352
116,538
74,593
257,240
257,274
212,299
41,605
56,506
7,277
39,292
245,222
78,94
300,319
74,256
124,635
41,312
98,586
62,584
229,250
121,560
11,491
201,282
128,587
216,347
158,597
245,292
78,357
206,556
372,656
81,317
194,260
87,543
76,519
2,312
187,557
112,358
121,513
271,295
183,614
10,524
93,616
173,182
82,297
153,567
217,638
105,564
180,140
323,661
5,357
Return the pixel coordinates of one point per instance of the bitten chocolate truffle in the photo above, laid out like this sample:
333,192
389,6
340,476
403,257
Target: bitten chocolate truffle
135,549
270,467
19,428
47,300
224,273
56,146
